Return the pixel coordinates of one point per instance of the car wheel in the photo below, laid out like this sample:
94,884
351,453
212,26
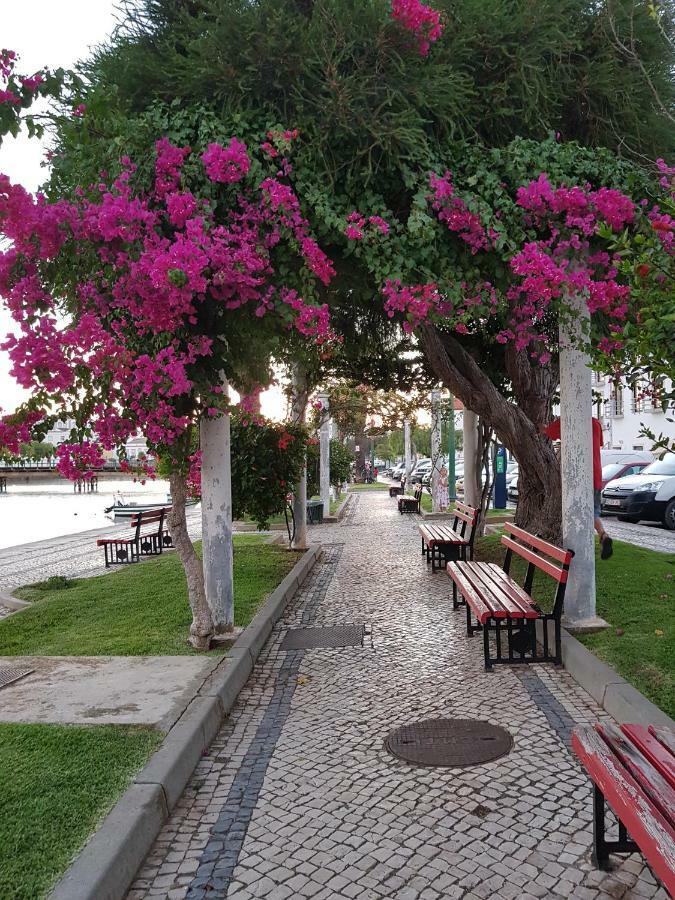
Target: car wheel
669,516
632,519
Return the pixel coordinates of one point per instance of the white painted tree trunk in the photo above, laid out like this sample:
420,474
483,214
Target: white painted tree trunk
471,492
217,519
407,449
299,395
324,458
576,464
435,450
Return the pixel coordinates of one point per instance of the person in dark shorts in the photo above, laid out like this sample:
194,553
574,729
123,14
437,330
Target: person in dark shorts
552,430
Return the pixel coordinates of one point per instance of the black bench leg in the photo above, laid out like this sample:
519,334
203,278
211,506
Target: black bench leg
469,627
486,647
600,852
455,604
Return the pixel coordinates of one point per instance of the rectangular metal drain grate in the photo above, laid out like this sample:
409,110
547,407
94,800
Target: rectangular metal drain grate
7,676
327,636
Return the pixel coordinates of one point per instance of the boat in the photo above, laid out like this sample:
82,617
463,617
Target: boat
124,509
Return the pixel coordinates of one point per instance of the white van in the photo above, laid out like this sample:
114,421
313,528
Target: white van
648,495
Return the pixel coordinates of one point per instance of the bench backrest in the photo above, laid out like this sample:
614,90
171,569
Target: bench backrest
539,554
149,517
468,516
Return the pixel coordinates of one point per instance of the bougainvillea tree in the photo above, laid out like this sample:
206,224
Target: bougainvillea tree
132,301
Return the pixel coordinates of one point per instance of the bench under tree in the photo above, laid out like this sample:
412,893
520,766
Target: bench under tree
149,537
633,772
497,605
442,543
411,504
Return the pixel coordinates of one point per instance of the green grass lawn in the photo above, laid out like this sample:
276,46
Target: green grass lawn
636,595
56,783
138,610
427,506
376,486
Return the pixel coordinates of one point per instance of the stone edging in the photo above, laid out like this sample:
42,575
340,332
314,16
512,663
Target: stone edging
105,868
339,512
612,692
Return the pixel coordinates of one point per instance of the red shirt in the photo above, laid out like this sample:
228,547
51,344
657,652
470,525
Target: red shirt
552,430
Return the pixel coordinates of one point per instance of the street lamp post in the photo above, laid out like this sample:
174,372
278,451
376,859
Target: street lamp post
435,449
324,455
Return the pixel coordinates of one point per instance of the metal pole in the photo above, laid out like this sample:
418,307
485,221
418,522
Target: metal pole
435,449
324,455
576,463
408,453
452,478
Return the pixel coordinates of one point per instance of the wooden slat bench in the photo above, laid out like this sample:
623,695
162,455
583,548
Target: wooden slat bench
395,490
633,772
444,543
499,604
150,537
411,504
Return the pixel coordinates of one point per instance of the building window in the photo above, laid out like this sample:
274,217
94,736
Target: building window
616,400
637,400
638,447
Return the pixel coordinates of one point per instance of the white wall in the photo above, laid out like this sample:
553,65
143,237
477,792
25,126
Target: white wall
621,422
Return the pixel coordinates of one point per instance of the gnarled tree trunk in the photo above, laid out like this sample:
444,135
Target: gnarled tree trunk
516,426
202,629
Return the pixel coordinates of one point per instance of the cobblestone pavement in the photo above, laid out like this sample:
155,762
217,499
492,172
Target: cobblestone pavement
74,556
297,797
653,536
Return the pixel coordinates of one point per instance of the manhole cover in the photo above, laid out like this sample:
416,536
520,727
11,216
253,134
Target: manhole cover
326,636
7,676
449,742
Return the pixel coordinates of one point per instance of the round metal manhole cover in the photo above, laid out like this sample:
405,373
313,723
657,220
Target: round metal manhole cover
449,742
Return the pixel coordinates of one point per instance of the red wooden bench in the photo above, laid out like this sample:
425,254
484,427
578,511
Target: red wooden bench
411,504
122,550
395,490
501,605
443,543
633,772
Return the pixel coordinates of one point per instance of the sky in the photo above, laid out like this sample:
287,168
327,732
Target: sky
55,33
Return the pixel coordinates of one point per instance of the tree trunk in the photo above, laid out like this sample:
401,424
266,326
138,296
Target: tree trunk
201,630
516,426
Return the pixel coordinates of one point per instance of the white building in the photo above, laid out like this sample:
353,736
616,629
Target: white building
60,432
624,411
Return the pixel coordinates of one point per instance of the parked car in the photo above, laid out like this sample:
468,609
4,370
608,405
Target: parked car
419,472
649,495
512,490
615,470
398,472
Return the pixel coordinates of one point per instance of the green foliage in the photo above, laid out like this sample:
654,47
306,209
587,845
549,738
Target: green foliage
341,459
267,461
56,783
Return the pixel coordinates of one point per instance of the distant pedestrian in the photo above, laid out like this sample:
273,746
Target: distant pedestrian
552,430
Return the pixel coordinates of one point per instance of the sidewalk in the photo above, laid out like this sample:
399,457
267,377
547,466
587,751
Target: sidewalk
298,798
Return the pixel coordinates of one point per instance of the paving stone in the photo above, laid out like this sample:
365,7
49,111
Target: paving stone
297,797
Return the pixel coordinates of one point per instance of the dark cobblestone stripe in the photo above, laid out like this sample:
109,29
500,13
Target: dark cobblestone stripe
556,714
221,854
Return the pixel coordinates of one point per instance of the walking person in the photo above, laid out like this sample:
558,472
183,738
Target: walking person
552,430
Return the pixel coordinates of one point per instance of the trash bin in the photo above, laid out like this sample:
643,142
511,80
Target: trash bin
314,512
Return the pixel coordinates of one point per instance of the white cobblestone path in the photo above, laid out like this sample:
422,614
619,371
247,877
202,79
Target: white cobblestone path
297,797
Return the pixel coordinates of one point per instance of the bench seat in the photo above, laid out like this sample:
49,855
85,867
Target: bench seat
633,772
148,538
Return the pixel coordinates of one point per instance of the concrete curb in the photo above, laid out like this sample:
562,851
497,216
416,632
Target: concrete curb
339,512
609,690
106,866
12,602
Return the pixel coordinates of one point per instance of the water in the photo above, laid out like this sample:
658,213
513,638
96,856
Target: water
40,510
